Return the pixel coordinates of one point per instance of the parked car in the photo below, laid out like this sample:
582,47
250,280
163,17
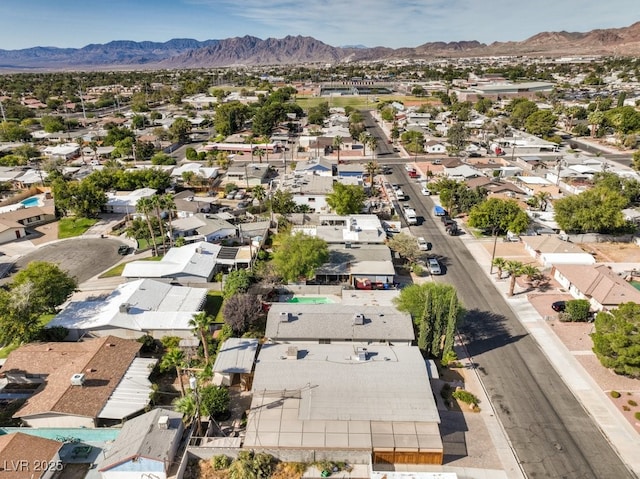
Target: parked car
123,250
231,194
434,266
559,306
423,244
425,191
239,195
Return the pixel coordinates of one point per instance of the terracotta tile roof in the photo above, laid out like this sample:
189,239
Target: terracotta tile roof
36,451
103,361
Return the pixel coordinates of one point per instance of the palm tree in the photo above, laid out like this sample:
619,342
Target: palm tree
157,204
80,143
542,198
372,169
188,177
337,144
168,203
531,272
201,323
260,153
364,138
187,405
94,147
499,263
144,207
174,358
515,270
373,144
259,193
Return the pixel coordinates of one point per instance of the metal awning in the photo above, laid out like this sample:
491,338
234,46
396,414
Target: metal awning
132,393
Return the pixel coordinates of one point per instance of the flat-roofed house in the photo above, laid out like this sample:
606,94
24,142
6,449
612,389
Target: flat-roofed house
338,323
372,403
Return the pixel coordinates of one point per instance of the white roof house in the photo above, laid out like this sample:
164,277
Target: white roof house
343,397
134,309
348,229
197,169
192,263
339,323
126,201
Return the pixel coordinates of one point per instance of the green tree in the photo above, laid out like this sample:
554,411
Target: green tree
215,401
180,130
346,199
598,210
337,143
201,325
51,286
237,281
499,216
616,340
436,311
162,158
520,109
188,406
635,160
174,358
541,123
372,168
298,255
406,246
52,124
515,270
500,264
259,193
282,202
11,131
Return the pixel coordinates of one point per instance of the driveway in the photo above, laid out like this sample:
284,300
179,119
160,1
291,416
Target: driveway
80,257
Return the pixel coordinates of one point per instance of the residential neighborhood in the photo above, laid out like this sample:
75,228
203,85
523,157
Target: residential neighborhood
360,279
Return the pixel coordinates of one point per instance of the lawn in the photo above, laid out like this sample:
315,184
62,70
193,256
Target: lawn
213,305
144,244
70,227
117,269
358,102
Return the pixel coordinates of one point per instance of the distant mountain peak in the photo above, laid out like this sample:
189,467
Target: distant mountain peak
250,50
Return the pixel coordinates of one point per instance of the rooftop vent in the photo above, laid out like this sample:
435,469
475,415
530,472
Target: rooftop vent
77,379
163,422
284,317
292,352
358,319
198,250
125,307
361,354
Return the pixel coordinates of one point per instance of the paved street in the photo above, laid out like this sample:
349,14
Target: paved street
80,257
551,433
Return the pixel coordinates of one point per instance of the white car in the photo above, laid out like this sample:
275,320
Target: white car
425,191
434,266
423,245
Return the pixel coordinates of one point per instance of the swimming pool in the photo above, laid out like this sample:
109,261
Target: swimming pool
62,433
31,201
309,300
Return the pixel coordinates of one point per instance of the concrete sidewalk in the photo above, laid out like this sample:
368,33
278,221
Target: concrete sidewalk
622,436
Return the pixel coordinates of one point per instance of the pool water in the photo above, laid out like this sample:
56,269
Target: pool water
60,433
310,300
31,201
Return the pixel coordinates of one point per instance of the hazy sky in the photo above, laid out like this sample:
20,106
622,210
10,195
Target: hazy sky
391,23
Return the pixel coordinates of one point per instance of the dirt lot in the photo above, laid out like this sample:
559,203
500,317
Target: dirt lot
613,252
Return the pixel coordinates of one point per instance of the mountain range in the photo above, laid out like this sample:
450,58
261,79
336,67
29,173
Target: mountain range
248,50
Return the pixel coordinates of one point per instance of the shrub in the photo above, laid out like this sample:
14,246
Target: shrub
637,416
578,310
170,342
418,270
615,394
465,396
632,403
626,408
449,357
220,462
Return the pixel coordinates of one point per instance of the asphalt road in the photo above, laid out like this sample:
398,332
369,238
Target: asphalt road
552,434
82,258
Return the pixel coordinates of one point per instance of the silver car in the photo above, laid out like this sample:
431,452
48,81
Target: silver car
434,266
